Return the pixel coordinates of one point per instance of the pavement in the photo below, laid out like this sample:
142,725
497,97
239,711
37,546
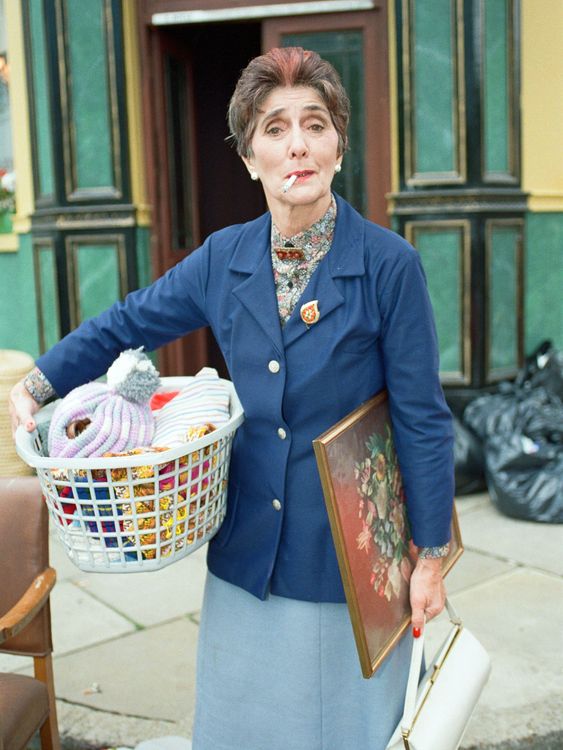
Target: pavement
125,644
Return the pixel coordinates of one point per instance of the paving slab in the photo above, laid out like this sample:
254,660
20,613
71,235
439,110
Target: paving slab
155,597
468,503
148,675
13,663
84,729
79,620
518,617
473,568
538,545
548,741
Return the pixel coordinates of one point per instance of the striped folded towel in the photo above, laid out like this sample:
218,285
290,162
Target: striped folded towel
205,400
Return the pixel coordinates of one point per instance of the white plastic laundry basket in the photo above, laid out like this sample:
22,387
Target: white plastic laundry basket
139,512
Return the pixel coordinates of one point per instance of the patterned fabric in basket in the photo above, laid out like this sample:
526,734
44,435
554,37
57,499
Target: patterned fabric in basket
151,509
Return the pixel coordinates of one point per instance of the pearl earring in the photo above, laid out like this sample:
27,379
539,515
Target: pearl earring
253,175
337,168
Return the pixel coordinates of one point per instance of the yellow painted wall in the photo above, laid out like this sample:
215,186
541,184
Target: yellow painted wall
542,103
20,126
134,113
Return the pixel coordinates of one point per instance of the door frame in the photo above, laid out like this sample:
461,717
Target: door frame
175,358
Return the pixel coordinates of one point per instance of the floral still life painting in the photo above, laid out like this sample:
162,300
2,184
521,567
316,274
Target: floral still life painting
381,510
364,494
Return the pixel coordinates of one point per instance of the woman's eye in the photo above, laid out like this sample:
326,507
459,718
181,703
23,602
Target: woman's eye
274,130
317,127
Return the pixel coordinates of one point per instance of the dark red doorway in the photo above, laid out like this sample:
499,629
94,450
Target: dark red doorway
198,181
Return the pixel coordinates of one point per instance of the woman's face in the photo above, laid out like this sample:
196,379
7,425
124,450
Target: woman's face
295,135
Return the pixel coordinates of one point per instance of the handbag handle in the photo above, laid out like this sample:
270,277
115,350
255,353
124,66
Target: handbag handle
414,671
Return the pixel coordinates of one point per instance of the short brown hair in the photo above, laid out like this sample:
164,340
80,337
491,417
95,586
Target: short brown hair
285,66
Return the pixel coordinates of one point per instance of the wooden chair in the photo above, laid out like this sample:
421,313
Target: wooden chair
27,704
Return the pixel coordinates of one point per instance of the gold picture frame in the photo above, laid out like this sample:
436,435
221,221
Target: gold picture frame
364,496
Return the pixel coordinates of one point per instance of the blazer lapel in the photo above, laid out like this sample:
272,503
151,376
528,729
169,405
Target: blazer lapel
257,290
345,258
321,287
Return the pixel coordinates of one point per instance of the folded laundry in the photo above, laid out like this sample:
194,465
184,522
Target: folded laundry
205,400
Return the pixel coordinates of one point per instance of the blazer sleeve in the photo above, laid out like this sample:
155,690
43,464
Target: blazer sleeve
172,306
422,422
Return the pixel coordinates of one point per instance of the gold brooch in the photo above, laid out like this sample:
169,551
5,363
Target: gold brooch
310,312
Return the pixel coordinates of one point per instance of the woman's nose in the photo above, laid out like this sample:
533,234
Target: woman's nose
298,145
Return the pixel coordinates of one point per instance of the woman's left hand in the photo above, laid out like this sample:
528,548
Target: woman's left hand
427,591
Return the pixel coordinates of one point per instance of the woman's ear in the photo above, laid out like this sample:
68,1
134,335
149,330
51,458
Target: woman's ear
248,164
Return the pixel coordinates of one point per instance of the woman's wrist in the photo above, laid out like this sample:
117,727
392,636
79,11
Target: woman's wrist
430,565
38,386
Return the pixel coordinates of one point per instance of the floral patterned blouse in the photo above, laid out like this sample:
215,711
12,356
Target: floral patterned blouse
292,274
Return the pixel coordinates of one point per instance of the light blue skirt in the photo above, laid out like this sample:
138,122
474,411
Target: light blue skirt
283,674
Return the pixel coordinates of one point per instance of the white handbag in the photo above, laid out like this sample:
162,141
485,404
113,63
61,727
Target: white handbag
438,709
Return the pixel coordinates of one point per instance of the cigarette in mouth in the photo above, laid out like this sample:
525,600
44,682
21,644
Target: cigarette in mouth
288,183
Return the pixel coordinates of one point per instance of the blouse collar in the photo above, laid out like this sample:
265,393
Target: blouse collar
317,238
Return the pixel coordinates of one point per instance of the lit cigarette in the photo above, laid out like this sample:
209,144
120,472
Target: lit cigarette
288,183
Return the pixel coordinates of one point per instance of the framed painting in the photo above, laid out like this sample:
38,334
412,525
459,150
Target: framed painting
366,506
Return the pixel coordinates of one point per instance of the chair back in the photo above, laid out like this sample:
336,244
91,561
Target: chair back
24,554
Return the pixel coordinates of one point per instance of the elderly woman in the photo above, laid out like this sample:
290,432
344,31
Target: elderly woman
315,310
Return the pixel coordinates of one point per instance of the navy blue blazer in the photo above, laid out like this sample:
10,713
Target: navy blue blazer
375,330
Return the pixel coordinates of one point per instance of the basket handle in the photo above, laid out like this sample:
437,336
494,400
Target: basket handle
25,445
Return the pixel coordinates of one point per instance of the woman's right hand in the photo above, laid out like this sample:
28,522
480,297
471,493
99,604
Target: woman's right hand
22,408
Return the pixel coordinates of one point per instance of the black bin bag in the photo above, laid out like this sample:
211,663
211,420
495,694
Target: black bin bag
524,468
521,428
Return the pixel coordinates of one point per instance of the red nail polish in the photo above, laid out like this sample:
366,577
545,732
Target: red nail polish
416,632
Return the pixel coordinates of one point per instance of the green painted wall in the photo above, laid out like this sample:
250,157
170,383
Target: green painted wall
143,249
496,86
97,268
441,255
503,291
543,289
48,296
18,312
5,222
434,75
41,94
90,103
98,287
